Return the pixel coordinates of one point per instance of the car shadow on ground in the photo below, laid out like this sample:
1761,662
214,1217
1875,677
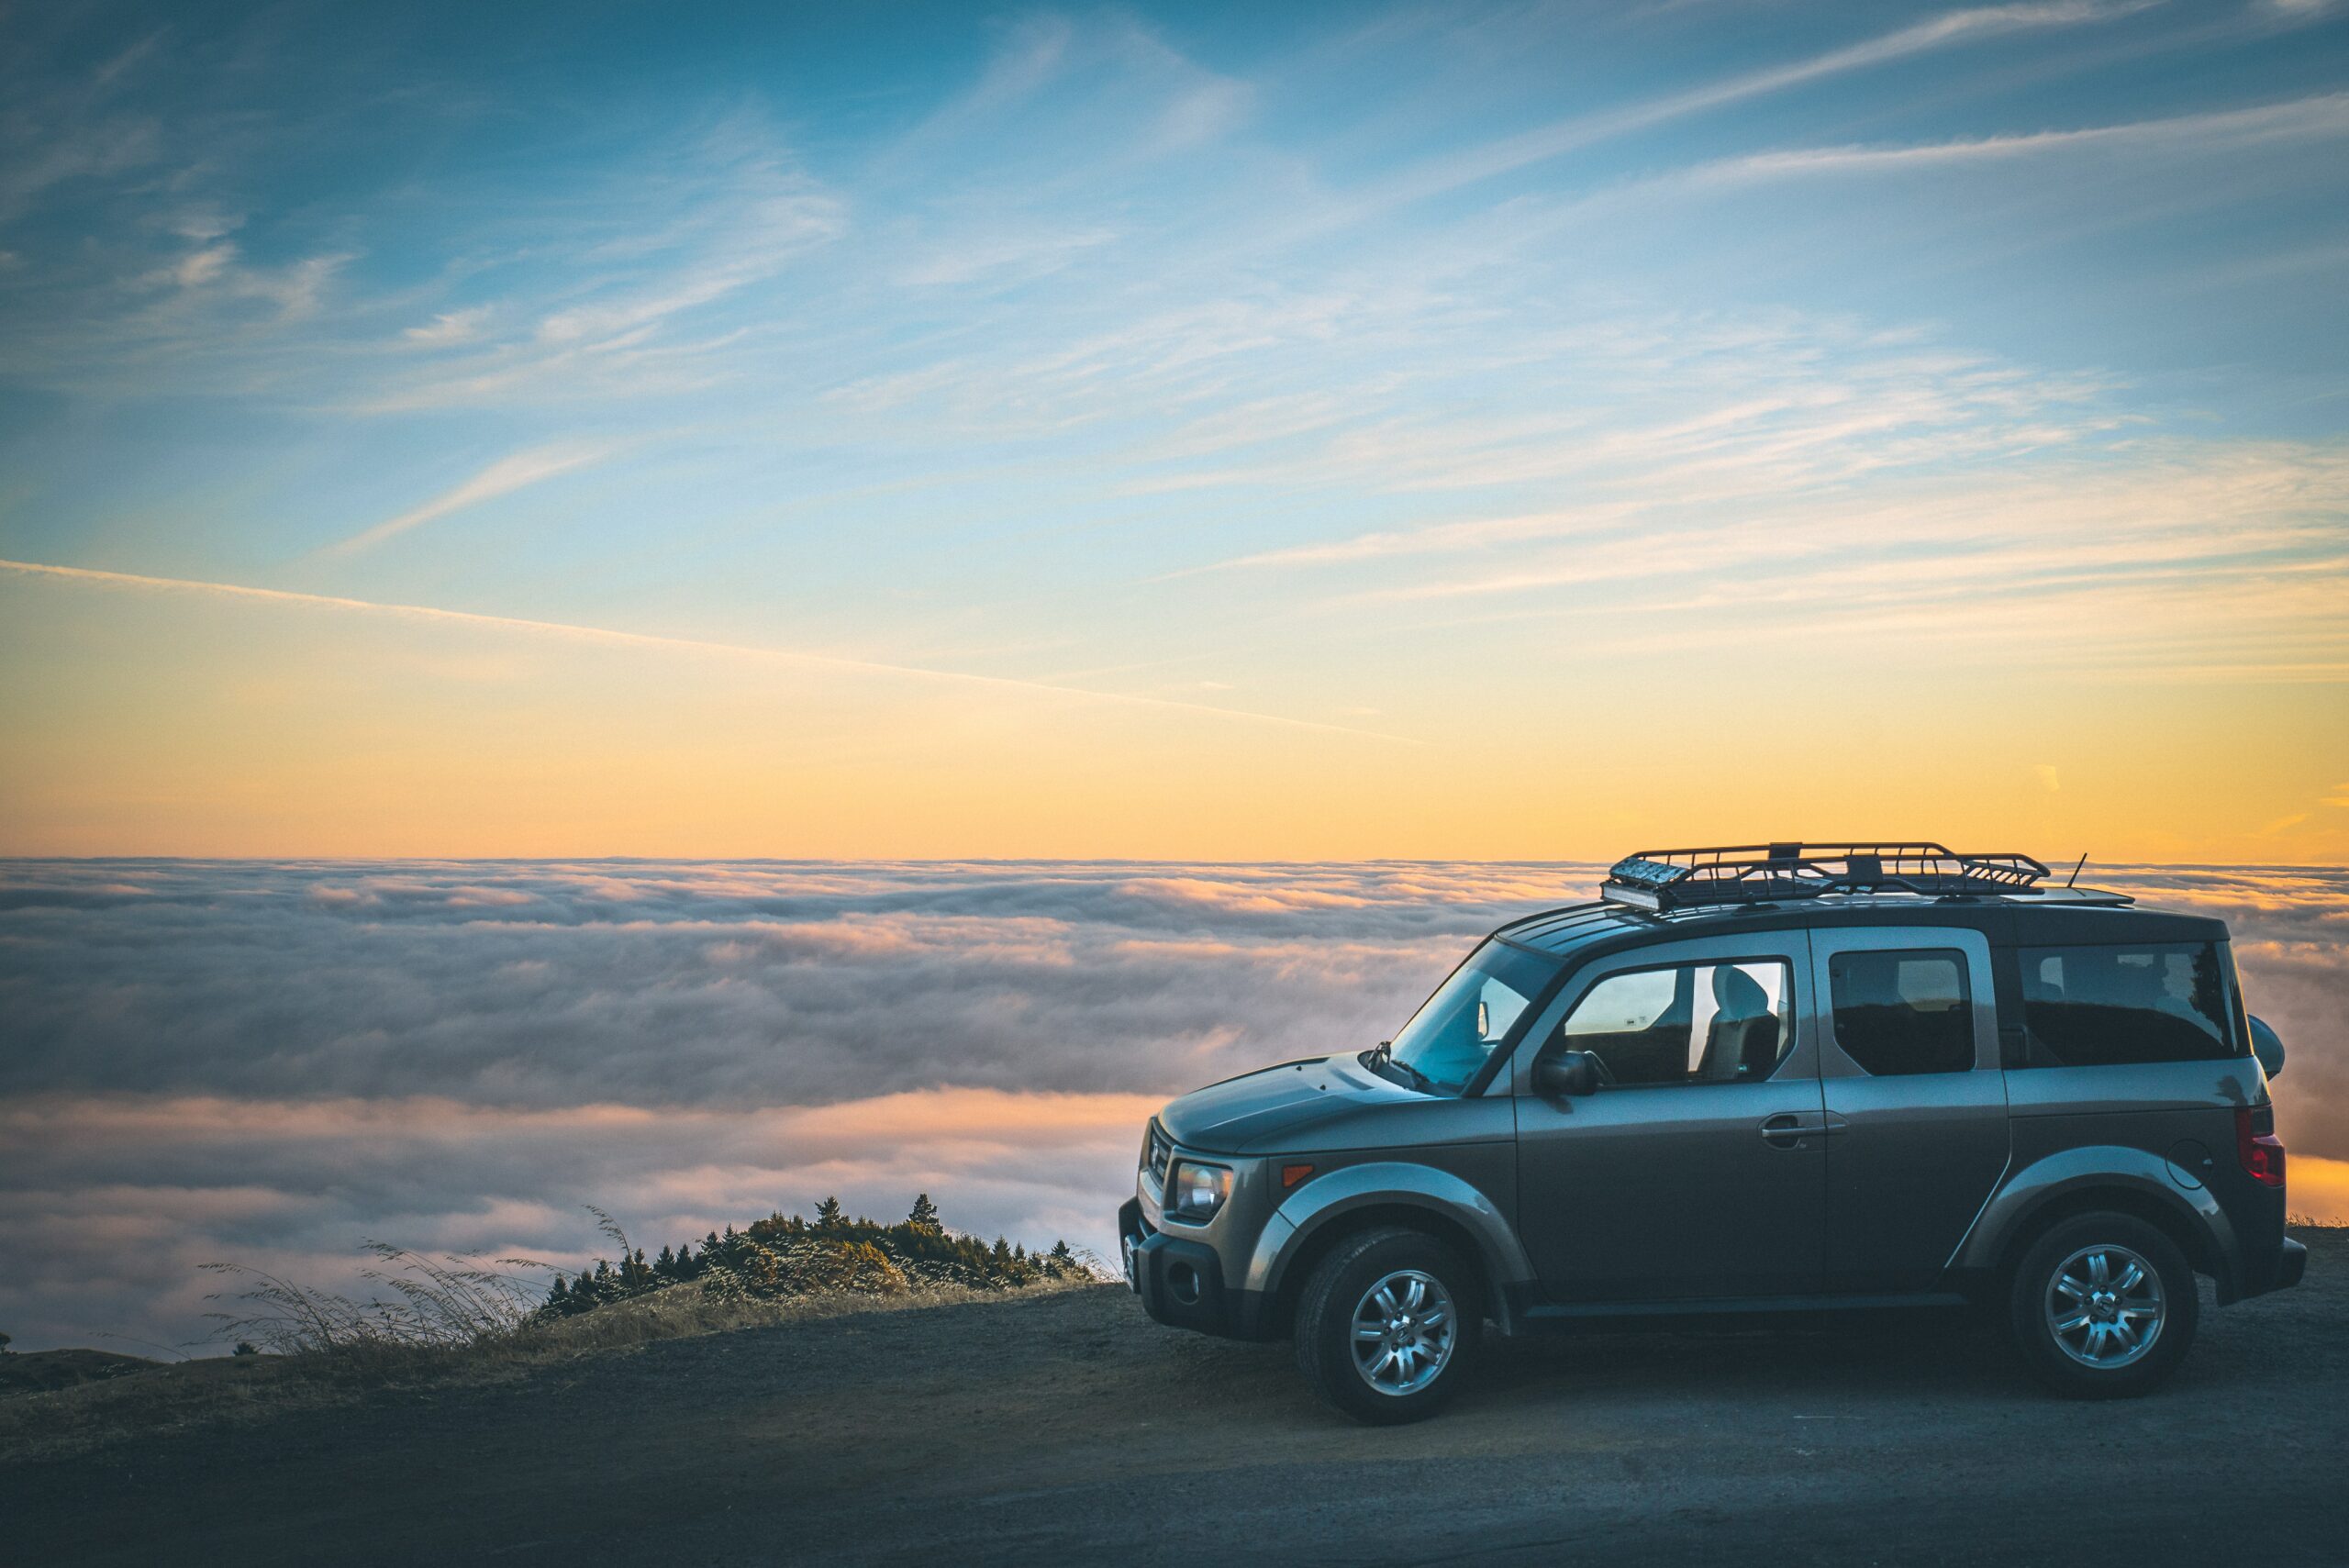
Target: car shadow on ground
1881,1357
1912,1350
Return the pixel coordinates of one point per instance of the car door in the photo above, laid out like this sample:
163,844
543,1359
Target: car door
1698,1171
1915,1102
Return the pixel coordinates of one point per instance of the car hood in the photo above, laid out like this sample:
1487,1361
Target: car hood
1296,1106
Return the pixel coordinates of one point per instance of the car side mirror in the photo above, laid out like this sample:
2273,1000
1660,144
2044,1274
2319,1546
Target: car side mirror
2267,1045
1566,1072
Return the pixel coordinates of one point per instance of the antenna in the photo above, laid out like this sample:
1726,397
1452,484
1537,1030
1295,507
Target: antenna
2076,870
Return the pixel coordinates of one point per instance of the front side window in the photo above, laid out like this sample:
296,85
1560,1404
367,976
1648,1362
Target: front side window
1693,1023
2108,1007
1902,1012
1457,1029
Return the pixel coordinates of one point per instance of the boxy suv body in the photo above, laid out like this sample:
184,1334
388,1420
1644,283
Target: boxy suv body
1748,1079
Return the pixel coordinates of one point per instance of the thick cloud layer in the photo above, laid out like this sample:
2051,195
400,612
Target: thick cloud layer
545,985
270,1062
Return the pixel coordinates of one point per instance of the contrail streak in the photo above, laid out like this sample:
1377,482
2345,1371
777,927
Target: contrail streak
607,636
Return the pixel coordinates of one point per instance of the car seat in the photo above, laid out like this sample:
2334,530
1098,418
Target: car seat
1742,1040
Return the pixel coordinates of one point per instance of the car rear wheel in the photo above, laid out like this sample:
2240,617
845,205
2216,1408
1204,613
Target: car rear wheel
1387,1325
2104,1306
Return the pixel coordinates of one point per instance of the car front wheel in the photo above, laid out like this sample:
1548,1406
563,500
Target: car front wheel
2104,1306
1387,1325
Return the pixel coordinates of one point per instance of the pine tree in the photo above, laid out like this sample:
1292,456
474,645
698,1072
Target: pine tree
665,1265
827,1214
925,1213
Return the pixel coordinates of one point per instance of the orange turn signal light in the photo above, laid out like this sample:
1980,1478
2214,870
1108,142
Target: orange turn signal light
1292,1174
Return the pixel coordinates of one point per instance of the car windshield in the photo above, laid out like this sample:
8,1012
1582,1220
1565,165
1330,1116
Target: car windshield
1455,1029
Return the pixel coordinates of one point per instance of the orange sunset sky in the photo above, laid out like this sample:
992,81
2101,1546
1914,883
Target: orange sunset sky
1214,435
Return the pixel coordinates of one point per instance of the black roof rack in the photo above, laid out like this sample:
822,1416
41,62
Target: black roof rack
1767,873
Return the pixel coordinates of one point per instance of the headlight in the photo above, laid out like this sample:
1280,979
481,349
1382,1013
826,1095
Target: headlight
1193,1191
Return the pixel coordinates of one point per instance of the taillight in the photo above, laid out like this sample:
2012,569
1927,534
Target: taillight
2256,1145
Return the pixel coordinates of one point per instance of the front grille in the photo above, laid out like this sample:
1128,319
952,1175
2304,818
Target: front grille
1155,1152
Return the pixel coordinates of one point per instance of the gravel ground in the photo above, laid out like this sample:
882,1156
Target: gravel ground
1070,1429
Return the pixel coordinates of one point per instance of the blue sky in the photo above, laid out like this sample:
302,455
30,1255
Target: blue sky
1366,369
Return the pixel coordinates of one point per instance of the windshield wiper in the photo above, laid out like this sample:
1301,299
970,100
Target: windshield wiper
1419,1081
1383,1057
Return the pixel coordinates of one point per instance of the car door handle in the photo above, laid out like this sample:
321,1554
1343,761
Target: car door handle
1789,1129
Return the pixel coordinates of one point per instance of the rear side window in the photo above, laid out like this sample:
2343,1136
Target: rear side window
2110,1007
1903,1011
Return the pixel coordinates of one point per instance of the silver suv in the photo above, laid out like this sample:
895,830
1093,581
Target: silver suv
1748,1079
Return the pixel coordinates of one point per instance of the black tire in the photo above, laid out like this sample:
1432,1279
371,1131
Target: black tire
2034,1285
1343,1280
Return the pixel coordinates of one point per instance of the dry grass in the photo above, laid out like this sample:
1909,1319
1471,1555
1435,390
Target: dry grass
685,1311
189,1395
442,1321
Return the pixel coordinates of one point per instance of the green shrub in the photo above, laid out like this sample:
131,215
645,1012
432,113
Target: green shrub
784,1256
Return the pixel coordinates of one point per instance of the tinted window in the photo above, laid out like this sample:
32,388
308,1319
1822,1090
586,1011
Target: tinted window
1694,1023
1904,1011
2103,1007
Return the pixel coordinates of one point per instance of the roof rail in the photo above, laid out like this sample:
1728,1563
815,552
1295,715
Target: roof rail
1767,873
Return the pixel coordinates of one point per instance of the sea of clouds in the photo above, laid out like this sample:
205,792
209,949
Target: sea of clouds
272,1062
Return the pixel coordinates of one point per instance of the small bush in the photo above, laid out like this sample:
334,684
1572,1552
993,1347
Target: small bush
781,1257
429,1306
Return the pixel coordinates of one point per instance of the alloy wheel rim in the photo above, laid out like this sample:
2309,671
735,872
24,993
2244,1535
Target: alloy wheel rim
1403,1332
2105,1307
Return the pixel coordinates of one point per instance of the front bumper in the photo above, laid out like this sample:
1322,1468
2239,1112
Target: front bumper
1180,1283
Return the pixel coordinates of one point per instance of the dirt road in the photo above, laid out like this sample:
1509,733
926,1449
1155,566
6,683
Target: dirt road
1070,1429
